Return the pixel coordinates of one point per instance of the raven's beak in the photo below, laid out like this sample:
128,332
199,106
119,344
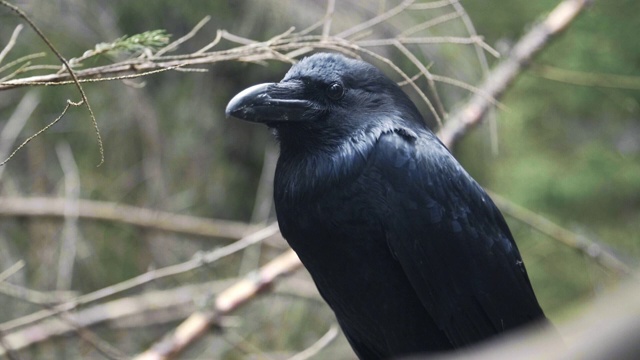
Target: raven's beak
272,103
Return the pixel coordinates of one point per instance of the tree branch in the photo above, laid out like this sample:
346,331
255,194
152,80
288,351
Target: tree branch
126,214
235,296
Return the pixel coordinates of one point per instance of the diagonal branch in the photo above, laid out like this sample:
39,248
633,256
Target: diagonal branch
229,300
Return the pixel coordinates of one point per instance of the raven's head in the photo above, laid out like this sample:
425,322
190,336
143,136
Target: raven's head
327,98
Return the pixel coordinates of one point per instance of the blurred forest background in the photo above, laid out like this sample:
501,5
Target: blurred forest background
565,144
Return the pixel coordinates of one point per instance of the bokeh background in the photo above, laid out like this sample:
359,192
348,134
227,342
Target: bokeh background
565,145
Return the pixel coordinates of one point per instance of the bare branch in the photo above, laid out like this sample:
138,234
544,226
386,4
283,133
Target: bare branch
428,76
430,23
11,43
328,18
322,343
16,123
235,296
174,45
432,5
376,20
11,270
131,215
24,143
36,297
70,232
24,69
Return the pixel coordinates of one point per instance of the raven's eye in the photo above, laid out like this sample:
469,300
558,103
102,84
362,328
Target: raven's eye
335,91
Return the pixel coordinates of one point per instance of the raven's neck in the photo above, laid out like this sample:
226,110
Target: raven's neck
307,168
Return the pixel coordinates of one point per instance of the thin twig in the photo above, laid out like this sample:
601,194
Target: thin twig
376,20
429,24
322,343
428,76
210,45
36,297
11,270
21,60
85,100
174,45
406,78
103,347
583,78
70,232
125,214
59,79
16,123
484,66
11,43
432,5
328,18
24,143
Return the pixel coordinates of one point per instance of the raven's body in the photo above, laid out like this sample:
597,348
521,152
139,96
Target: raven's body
406,248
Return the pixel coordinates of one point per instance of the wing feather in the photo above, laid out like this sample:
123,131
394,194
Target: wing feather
451,240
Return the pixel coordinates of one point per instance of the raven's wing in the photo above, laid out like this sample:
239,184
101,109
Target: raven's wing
450,239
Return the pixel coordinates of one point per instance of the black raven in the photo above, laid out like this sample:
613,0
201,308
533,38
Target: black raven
407,249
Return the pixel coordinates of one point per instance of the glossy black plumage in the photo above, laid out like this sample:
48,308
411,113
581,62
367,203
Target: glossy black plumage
407,249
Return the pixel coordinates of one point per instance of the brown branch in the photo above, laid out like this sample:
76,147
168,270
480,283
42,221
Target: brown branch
126,214
235,296
159,306
503,75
